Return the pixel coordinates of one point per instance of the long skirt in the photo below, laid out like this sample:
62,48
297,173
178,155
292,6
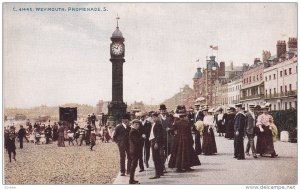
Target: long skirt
265,143
209,146
61,140
183,154
220,127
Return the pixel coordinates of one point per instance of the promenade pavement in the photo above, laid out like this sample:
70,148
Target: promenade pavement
222,168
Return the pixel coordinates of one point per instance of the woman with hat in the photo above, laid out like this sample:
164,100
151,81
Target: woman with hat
220,120
183,155
265,143
61,138
229,118
209,146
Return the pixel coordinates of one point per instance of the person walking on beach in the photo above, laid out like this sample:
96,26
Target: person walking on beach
21,135
10,145
61,137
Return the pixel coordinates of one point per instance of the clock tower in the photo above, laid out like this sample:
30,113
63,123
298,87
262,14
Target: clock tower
117,107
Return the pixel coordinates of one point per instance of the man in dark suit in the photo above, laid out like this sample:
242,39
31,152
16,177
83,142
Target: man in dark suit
21,135
121,138
144,129
135,147
250,126
239,128
198,115
157,139
166,124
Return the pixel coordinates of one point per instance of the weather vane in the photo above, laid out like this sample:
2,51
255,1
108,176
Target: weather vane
118,20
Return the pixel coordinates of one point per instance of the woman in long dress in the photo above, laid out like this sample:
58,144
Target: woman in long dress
220,120
209,146
265,143
183,155
61,135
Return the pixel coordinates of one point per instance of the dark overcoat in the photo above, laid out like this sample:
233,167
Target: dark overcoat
183,154
135,142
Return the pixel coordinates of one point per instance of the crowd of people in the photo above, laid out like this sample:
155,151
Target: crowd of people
173,138
60,132
169,135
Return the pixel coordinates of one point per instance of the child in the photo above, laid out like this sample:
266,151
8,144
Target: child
93,139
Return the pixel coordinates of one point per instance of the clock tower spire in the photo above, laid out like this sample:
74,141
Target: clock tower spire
117,107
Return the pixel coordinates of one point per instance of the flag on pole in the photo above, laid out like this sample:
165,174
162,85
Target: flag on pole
214,47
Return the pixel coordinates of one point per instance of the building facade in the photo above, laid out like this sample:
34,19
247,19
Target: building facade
280,77
252,91
234,91
205,79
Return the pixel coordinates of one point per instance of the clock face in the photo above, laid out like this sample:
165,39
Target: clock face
117,48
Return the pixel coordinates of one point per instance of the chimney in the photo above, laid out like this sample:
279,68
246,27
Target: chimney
292,44
256,61
281,48
222,69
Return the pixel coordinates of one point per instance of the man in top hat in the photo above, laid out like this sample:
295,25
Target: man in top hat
135,147
167,133
198,116
239,128
250,132
121,138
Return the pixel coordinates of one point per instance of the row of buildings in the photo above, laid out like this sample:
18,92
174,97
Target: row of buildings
272,79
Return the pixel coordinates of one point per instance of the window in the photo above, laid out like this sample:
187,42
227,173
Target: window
269,77
290,70
270,92
274,90
274,106
261,77
280,73
290,105
249,79
266,78
274,76
266,92
281,89
285,88
279,106
290,87
256,77
285,73
285,105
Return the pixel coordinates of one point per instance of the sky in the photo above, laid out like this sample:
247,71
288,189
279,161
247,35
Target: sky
53,58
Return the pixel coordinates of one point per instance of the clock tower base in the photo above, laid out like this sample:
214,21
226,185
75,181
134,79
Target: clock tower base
115,111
